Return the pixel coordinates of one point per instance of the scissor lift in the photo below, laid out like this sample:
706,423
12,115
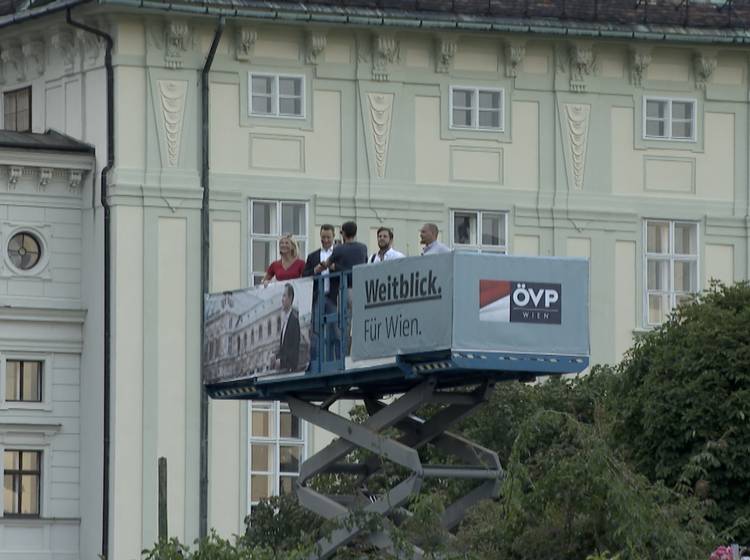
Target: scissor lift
457,382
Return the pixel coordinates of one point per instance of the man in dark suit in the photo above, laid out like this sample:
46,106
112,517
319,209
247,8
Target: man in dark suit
288,357
314,267
314,259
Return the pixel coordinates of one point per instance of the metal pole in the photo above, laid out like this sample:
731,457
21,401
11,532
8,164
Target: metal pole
163,528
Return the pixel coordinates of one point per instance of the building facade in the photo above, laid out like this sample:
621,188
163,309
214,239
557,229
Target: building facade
604,134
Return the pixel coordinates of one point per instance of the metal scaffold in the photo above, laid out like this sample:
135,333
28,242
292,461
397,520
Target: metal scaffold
474,461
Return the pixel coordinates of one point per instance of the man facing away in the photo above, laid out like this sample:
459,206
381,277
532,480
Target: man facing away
343,258
386,252
428,236
350,253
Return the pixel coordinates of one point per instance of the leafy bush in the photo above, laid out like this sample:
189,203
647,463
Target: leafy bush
567,495
683,413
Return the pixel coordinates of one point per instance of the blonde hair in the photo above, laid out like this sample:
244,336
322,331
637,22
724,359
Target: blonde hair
292,243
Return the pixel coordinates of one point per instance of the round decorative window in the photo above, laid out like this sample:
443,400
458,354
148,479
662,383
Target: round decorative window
24,250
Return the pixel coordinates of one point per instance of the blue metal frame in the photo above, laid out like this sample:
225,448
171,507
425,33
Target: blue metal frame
331,329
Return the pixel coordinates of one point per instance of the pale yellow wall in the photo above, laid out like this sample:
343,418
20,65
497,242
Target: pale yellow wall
273,151
225,418
522,155
578,247
526,245
478,55
432,157
130,117
719,263
667,172
669,65
172,248
127,384
131,38
625,298
514,165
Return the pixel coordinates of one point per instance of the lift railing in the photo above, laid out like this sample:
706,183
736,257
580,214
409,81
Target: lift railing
331,322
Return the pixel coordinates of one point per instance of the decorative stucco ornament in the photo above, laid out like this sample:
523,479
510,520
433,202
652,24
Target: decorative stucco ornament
45,175
172,94
176,39
33,54
315,44
577,116
63,43
384,53
75,177
246,39
381,112
640,59
446,48
581,65
514,53
704,64
14,174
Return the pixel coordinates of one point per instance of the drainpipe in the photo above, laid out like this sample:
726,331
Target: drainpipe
205,246
107,266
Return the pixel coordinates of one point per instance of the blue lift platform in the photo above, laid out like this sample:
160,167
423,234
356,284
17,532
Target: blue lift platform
462,324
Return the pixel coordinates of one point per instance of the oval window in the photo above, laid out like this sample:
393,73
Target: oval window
24,250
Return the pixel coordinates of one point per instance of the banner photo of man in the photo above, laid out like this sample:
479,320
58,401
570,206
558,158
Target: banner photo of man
258,331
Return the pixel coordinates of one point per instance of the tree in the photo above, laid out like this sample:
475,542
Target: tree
683,409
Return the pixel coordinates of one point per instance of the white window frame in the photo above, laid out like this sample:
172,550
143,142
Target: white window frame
275,95
668,118
276,407
46,402
671,257
475,108
479,247
274,235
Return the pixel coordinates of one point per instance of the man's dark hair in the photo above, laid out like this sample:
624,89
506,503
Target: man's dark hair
389,230
327,227
349,229
289,290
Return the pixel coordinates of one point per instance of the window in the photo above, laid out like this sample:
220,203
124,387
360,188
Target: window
23,381
22,478
268,221
669,119
277,448
274,95
478,108
671,266
17,110
479,230
24,250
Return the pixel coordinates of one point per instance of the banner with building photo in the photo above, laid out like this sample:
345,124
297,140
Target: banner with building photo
257,331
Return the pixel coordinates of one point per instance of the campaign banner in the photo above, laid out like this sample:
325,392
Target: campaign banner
402,306
471,302
522,305
504,301
257,331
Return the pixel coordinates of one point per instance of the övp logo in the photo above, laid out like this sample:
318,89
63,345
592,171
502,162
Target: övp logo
536,302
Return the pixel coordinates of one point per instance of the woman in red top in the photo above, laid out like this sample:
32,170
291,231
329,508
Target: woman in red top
288,266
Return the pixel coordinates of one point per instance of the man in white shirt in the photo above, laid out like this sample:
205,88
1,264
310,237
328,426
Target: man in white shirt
428,236
386,252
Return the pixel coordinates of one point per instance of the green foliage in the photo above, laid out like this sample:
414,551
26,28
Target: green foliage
214,547
566,496
683,409
281,524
